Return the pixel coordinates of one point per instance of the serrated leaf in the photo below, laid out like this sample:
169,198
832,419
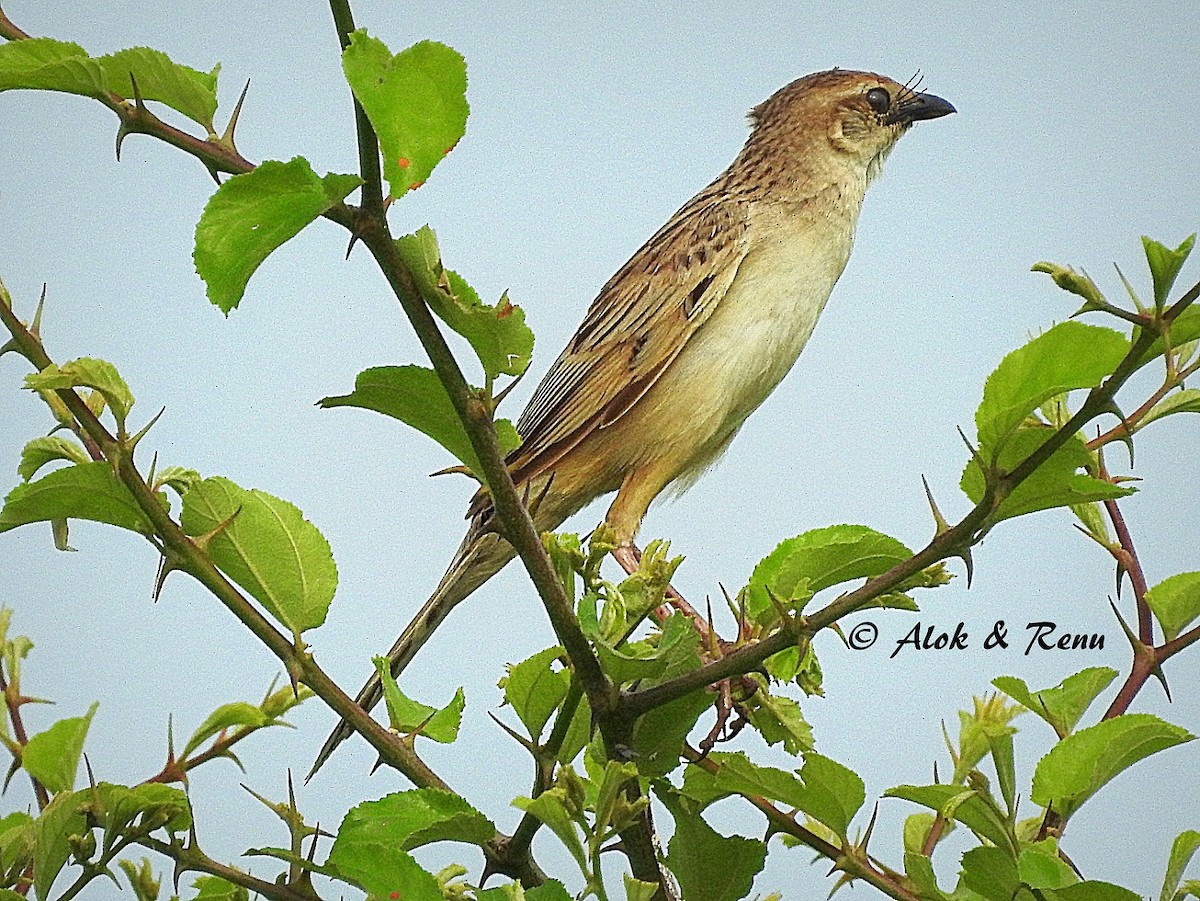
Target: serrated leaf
965,806
1165,264
214,888
159,806
499,335
1079,765
919,869
676,651
87,373
1175,602
49,65
52,757
551,808
990,873
1040,867
1182,849
826,791
658,736
1069,356
182,88
40,451
61,819
1184,329
706,864
178,478
372,845
819,559
414,818
778,719
1094,890
535,689
406,715
1064,704
238,713
1184,401
267,547
16,841
1056,483
252,214
415,396
416,102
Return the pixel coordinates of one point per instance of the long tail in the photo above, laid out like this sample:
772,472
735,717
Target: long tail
478,558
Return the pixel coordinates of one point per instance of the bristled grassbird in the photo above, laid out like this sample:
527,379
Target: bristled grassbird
694,331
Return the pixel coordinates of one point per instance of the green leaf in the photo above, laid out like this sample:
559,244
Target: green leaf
963,805
1093,890
1039,866
214,888
87,373
499,335
372,845
990,873
659,735
1079,765
265,545
1165,265
1064,704
826,791
184,89
1056,483
40,451
919,869
535,689
553,809
159,806
1184,401
800,567
1069,356
416,101
406,715
141,879
1175,602
414,395
1182,849
49,65
1184,329
253,213
778,719
238,713
676,651
636,890
16,841
709,865
413,818
52,757
61,819
178,478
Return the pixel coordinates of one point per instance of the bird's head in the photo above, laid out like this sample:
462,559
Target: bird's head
856,117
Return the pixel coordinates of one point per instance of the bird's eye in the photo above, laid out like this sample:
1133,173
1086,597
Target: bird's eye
879,100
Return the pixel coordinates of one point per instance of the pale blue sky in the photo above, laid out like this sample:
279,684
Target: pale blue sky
1076,133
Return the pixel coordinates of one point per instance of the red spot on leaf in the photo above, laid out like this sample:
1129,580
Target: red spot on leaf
404,162
451,147
393,895
415,185
505,310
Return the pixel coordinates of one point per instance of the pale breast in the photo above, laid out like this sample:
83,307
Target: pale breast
756,332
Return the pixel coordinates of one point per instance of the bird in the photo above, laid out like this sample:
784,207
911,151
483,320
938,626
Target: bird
693,332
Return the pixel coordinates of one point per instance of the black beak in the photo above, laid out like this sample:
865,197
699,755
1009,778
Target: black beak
918,107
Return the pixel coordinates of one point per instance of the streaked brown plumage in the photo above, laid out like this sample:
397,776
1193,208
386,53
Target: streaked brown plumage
694,332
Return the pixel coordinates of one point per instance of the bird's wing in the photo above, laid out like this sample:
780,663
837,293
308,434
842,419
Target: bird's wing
636,326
